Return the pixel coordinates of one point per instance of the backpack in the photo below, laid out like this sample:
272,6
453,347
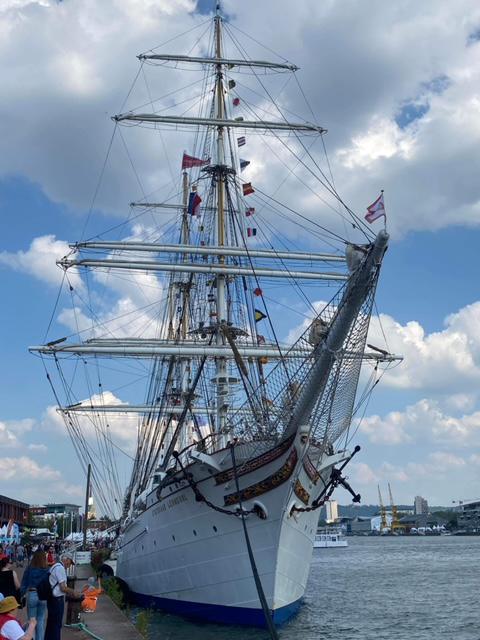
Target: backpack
4,618
44,588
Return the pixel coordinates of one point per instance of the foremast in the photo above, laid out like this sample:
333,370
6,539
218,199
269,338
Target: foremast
222,386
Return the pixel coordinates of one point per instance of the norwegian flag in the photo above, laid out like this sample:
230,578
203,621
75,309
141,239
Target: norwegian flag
247,188
250,211
376,210
236,102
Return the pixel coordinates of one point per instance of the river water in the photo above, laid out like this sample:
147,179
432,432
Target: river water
401,588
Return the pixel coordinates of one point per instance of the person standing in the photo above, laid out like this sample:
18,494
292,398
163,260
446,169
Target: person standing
9,582
56,604
20,555
34,574
51,556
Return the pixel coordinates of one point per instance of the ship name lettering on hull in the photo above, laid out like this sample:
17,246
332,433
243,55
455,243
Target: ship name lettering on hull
173,502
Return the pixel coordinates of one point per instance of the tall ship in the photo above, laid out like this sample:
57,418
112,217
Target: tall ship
240,419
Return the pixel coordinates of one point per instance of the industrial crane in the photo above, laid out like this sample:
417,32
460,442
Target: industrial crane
383,513
395,521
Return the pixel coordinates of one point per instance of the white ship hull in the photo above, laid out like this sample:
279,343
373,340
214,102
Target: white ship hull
185,557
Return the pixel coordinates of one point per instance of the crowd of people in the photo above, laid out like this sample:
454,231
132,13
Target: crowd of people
42,590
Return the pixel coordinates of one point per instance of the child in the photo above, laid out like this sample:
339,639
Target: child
91,593
10,628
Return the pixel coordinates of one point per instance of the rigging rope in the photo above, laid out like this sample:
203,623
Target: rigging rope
325,182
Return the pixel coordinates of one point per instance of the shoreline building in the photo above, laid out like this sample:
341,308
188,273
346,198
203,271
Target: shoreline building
469,516
420,506
61,509
15,510
331,510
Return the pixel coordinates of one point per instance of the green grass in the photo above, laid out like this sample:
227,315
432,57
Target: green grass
142,622
113,591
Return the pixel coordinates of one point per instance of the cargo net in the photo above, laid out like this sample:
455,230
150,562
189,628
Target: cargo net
277,394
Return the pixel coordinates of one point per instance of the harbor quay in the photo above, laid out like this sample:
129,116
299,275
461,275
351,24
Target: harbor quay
107,622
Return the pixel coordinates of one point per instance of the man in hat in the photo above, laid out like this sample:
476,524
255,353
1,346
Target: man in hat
10,628
56,604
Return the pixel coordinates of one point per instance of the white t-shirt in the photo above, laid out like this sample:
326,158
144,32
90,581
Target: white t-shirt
12,630
57,575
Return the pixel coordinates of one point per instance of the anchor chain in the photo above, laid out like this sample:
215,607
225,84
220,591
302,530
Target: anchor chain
199,497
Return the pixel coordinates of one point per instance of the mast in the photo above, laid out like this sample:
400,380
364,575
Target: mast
221,363
184,368
87,499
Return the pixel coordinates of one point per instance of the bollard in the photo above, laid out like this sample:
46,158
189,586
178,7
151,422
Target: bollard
74,607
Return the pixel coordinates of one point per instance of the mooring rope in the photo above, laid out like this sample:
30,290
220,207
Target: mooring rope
258,583
83,627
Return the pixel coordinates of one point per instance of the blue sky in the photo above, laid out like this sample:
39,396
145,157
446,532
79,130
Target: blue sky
402,114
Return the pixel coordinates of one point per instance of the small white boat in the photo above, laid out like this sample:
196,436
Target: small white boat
326,540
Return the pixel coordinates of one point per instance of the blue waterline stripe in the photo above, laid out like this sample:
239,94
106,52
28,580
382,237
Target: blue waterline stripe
216,613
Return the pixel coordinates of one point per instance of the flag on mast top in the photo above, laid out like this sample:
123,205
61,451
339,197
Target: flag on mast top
188,162
376,210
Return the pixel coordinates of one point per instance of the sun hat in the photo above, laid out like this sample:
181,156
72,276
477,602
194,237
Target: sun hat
67,556
8,604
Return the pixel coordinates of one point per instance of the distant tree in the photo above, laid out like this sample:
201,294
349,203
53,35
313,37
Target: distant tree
450,517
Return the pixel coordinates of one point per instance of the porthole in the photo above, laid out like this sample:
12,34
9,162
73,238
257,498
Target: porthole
173,538
194,532
215,528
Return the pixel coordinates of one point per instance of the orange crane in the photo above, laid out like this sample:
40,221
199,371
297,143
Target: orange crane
395,521
383,512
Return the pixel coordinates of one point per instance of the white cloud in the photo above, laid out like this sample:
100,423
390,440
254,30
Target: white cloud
363,474
11,431
376,58
39,260
442,361
443,460
386,431
424,421
25,468
39,448
384,140
85,59
24,479
445,362
7,437
122,428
